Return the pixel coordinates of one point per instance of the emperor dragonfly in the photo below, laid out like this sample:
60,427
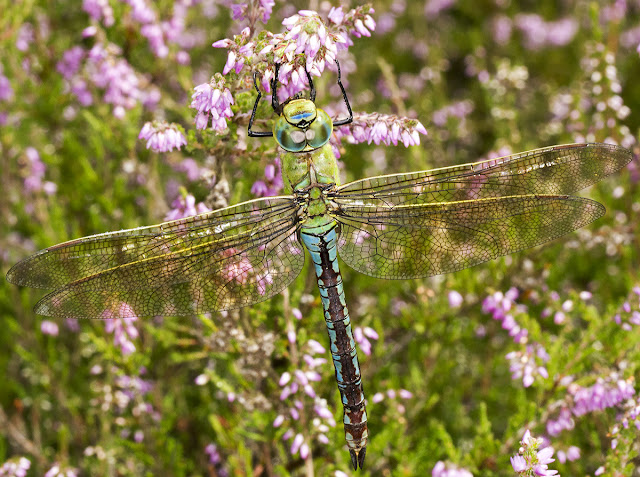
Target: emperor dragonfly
394,226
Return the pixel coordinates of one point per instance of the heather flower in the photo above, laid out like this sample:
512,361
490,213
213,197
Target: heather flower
102,67
49,328
442,469
455,299
528,364
628,314
499,305
394,397
531,460
141,11
36,170
122,329
435,7
162,136
191,168
71,61
381,129
253,10
272,183
459,109
539,34
296,390
563,421
6,91
361,334
502,28
606,392
215,460
61,471
25,37
212,100
99,10
308,45
571,454
15,467
185,206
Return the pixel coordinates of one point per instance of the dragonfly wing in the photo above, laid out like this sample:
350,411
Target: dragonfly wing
67,262
415,241
547,171
247,259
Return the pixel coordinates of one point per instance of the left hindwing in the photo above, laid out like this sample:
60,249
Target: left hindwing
411,241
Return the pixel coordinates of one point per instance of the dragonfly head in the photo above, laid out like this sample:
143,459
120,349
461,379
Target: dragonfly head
302,126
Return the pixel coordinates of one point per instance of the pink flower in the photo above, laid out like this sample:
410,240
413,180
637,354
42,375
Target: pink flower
162,136
212,101
49,328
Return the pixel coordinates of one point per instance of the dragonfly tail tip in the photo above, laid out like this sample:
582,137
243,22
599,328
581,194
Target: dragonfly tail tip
357,457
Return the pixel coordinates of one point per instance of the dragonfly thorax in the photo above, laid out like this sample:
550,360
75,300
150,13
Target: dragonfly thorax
302,127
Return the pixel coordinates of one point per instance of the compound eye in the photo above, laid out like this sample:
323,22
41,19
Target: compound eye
319,130
290,138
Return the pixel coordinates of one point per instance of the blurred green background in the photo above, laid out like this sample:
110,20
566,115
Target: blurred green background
486,78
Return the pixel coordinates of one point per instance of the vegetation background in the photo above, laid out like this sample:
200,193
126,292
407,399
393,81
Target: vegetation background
456,367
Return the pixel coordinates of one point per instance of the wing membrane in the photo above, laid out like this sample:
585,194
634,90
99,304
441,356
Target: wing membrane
199,264
61,264
548,171
430,239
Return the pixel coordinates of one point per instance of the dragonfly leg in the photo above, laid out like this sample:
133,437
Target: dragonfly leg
349,119
253,113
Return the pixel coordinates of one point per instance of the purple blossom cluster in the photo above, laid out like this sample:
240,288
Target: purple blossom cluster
213,101
272,183
185,206
99,11
628,315
459,110
215,460
571,454
296,390
629,416
25,37
252,11
531,460
59,470
158,33
540,34
442,469
49,327
15,467
502,307
362,336
433,8
309,45
528,364
607,392
393,396
162,136
103,68
35,171
381,129
595,109
455,299
6,91
123,333
191,168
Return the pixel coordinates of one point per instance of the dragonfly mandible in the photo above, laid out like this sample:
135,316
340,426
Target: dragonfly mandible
393,226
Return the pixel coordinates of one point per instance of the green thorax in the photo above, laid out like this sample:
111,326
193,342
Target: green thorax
303,131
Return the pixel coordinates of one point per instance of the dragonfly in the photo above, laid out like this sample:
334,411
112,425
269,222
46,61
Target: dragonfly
396,226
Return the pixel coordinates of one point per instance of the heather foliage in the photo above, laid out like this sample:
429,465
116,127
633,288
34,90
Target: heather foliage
120,113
